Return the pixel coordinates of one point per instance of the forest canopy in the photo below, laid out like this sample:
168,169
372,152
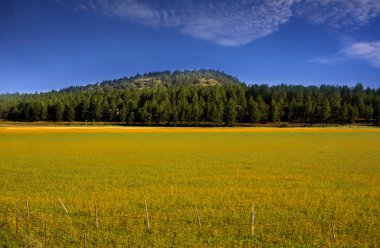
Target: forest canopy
195,98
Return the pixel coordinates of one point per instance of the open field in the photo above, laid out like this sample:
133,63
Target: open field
307,185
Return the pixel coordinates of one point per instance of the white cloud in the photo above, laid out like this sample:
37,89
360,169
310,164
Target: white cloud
232,22
340,13
365,51
328,60
236,23
132,9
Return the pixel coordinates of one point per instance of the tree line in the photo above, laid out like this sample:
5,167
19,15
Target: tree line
193,103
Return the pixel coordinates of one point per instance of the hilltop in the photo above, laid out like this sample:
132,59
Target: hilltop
164,78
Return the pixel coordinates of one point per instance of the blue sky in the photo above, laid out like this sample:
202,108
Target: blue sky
51,44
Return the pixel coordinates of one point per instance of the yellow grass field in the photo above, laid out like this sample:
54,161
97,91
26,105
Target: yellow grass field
311,187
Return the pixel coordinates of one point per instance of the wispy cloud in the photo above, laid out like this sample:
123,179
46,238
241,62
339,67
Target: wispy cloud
365,51
232,23
328,60
340,13
237,22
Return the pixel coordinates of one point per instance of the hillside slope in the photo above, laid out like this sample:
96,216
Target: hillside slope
165,78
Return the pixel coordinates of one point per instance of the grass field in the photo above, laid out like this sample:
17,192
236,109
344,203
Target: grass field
303,182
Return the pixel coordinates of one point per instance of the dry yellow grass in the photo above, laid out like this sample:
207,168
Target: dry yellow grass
300,180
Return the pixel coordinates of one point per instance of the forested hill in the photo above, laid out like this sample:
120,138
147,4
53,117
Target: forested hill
165,78
202,97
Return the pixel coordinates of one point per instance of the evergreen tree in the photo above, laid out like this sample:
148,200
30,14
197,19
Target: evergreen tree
241,102
253,111
106,111
69,113
353,113
216,107
58,109
263,108
145,115
95,110
358,99
336,103
326,110
13,113
308,110
43,111
174,116
376,112
196,111
275,112
131,118
122,113
164,110
293,110
344,112
82,110
112,110
368,112
34,112
231,113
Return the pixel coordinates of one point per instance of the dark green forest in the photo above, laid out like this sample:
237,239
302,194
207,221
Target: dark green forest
201,97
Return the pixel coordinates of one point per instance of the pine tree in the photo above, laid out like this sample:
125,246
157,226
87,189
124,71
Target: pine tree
58,111
231,113
353,113
253,111
113,111
275,112
131,118
326,110
241,102
82,110
308,110
195,108
174,115
216,107
292,110
263,108
95,110
336,103
122,113
69,113
368,112
43,111
376,112
344,112
34,112
145,114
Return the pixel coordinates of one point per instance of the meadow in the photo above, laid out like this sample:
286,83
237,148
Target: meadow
311,187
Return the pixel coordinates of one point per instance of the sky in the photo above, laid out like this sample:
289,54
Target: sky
52,44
